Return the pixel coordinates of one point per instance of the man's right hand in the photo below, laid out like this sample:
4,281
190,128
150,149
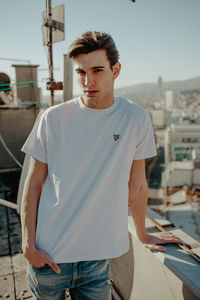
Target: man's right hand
38,258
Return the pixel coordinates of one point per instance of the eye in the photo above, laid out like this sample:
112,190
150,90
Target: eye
97,70
80,72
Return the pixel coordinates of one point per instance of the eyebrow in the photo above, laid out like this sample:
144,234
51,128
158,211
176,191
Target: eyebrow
98,67
93,68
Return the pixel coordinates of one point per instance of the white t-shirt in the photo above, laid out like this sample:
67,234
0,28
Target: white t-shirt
83,209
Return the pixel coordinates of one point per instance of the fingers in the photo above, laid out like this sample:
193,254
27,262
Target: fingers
153,241
52,264
168,237
38,258
155,247
54,267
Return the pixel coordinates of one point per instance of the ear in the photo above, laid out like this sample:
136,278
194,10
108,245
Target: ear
116,70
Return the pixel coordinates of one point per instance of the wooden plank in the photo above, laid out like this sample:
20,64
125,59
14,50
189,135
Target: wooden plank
196,251
184,236
161,220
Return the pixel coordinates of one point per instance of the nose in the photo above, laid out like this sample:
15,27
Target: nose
89,79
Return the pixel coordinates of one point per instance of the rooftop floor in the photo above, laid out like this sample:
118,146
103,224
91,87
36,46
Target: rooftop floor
13,284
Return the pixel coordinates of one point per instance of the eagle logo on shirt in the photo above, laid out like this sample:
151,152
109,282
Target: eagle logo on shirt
116,136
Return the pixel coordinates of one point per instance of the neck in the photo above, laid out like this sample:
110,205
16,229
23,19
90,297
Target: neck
94,103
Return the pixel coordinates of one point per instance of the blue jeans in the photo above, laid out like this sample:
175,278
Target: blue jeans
86,280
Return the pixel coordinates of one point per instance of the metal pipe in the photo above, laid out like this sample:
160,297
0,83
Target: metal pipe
14,59
50,49
9,152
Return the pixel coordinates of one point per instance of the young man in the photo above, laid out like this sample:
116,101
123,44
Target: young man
87,165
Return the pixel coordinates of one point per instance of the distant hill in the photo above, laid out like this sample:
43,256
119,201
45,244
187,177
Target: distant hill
144,92
148,91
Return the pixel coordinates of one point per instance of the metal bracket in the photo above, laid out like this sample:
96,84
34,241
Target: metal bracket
56,25
54,85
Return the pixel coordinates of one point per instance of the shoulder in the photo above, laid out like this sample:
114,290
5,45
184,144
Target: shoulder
60,109
132,109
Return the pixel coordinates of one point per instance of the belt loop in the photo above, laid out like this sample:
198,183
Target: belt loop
74,274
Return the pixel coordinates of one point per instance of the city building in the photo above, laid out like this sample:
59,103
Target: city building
182,156
171,100
159,87
182,142
159,118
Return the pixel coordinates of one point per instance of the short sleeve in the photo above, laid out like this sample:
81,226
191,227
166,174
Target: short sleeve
145,147
35,144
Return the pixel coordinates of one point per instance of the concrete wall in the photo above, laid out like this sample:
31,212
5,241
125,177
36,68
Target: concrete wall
15,125
27,73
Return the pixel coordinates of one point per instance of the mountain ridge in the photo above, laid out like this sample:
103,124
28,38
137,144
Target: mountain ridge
148,91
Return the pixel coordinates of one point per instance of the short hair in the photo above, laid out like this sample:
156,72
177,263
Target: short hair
90,41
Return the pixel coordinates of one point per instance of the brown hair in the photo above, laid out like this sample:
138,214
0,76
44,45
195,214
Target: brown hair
92,40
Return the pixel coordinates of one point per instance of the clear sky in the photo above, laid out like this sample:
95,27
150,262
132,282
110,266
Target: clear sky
154,37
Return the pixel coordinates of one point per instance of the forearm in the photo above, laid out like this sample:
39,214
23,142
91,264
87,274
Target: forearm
29,210
138,204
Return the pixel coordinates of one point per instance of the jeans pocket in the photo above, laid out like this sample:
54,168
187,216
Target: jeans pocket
42,271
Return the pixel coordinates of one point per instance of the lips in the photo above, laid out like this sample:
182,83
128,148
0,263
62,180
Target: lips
91,92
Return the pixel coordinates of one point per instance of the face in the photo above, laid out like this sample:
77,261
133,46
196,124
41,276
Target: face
96,78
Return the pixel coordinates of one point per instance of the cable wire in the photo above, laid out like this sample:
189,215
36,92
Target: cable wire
9,152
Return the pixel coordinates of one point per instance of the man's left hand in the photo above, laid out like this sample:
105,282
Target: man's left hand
152,241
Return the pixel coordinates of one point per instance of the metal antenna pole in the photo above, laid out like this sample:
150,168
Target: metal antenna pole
50,48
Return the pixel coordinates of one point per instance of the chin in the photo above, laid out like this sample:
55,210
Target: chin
91,100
